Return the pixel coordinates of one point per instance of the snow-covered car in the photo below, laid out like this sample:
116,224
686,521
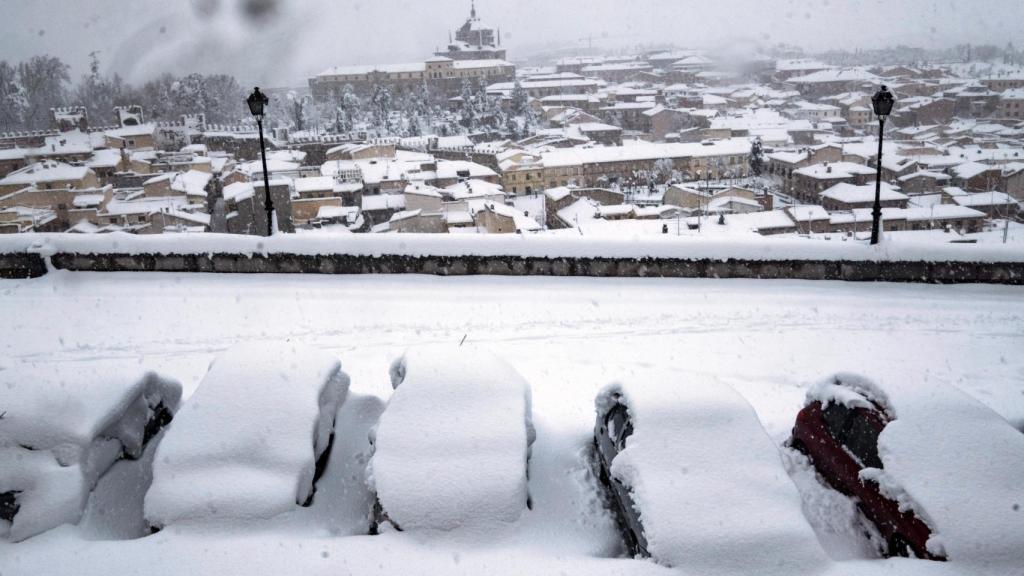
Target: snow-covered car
252,440
452,446
695,481
62,428
933,471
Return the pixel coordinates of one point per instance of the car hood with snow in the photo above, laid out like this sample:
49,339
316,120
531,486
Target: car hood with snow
246,444
957,464
451,448
64,425
707,481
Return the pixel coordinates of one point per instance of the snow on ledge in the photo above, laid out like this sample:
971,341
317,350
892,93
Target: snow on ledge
528,246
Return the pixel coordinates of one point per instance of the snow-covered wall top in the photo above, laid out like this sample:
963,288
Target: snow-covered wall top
415,245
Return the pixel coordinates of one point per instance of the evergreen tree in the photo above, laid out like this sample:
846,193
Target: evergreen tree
299,110
520,100
350,104
512,126
413,125
468,112
756,157
381,103
519,108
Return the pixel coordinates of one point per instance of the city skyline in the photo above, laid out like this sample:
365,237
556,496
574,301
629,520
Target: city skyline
281,43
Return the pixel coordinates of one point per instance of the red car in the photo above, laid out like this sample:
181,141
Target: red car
841,441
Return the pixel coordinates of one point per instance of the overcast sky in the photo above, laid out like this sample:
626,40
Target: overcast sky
278,42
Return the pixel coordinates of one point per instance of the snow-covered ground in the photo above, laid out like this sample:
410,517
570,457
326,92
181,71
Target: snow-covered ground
568,337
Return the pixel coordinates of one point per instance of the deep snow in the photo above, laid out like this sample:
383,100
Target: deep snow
245,444
451,449
63,426
707,481
770,340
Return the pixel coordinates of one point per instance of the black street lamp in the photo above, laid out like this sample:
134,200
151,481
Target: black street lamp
882,102
257,101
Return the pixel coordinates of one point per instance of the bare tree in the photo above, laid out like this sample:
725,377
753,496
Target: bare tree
99,93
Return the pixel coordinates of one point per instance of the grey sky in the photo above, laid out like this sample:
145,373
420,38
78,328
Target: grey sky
296,38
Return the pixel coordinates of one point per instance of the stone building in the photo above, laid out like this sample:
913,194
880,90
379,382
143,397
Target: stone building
474,40
808,182
601,166
1011,104
475,55
440,74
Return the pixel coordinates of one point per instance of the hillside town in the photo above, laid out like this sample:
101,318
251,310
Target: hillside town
471,288
676,141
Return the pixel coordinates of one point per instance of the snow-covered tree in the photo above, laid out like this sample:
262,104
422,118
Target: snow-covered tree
12,99
756,157
381,104
664,170
512,126
157,98
225,100
100,93
520,99
219,97
299,110
469,116
413,127
343,109
190,94
520,109
44,82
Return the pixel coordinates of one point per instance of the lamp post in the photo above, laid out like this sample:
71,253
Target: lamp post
257,101
882,102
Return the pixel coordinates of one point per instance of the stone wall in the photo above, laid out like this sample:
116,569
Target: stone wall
27,265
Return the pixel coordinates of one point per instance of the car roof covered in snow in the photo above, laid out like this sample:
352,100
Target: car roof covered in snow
60,406
244,444
451,448
707,480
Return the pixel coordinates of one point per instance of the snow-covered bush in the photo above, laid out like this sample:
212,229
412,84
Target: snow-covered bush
63,426
453,444
246,444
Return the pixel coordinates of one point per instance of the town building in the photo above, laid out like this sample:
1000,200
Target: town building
474,41
474,56
604,165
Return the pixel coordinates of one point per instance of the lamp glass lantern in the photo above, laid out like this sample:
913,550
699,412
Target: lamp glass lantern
257,101
882,102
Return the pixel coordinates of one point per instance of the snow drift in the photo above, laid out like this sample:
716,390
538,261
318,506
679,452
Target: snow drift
246,443
64,426
708,482
452,446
